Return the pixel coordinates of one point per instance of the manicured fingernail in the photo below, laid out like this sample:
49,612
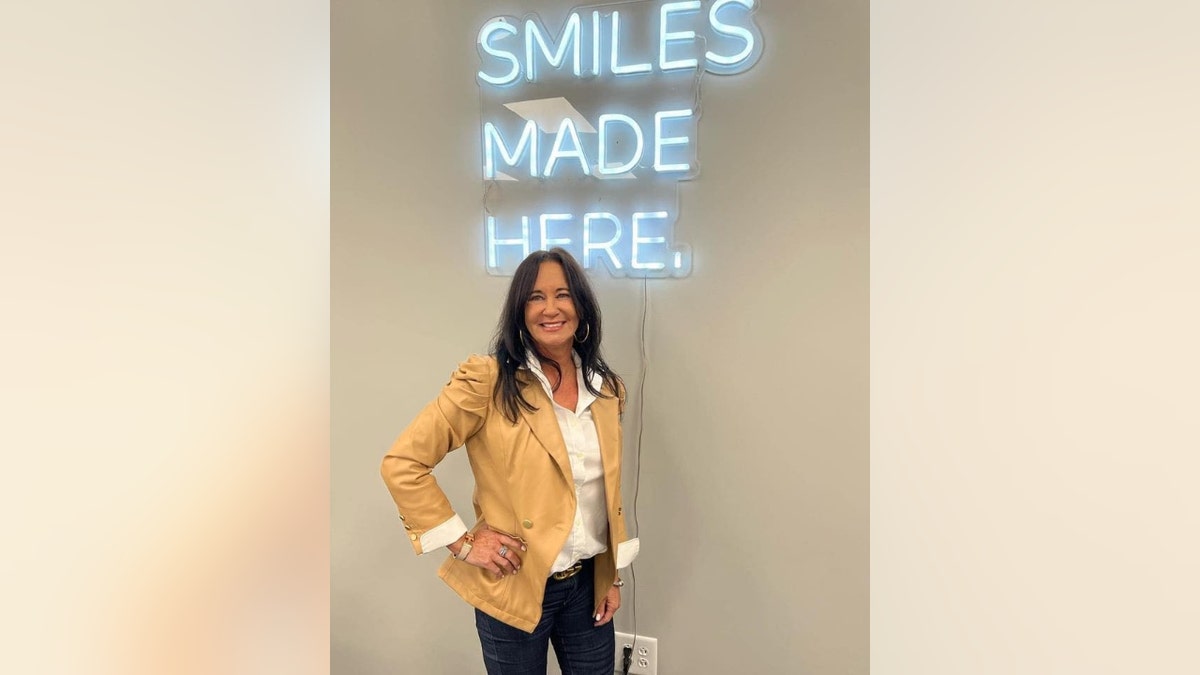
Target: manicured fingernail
598,616
523,548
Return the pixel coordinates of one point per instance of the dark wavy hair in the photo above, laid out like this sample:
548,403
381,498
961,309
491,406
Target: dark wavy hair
512,340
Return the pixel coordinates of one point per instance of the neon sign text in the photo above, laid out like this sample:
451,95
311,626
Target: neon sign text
568,145
505,42
587,130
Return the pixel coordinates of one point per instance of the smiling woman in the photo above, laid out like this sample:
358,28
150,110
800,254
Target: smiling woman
549,310
546,400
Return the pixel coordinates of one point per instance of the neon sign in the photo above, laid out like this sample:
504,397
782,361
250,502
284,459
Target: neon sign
588,130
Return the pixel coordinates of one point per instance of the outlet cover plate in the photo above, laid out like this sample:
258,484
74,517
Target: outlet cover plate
645,654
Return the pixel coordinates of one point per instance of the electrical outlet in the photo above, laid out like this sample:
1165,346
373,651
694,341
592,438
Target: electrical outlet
645,654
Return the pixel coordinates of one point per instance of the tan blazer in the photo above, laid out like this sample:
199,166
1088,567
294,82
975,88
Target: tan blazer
523,485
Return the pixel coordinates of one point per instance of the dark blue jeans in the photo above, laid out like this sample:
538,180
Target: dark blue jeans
567,618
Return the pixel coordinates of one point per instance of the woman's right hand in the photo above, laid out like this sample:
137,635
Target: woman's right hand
495,552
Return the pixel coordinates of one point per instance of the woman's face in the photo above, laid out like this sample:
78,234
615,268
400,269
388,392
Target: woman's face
550,311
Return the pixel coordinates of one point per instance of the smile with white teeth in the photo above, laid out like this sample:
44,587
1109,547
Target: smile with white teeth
553,326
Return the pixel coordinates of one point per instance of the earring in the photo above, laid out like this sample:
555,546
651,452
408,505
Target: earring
586,335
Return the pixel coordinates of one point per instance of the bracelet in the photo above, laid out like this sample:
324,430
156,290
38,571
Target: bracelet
466,548
619,582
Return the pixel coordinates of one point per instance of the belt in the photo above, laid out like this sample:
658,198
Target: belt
568,573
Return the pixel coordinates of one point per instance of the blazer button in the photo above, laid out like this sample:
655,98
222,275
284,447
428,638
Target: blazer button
527,523
618,510
413,537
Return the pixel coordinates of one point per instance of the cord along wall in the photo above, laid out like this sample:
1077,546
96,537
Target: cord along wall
753,501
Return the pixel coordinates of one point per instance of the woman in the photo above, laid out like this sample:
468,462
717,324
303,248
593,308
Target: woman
540,418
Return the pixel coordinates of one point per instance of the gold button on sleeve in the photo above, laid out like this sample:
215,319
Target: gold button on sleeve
413,537
527,523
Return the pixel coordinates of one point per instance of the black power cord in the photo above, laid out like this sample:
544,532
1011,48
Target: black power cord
627,658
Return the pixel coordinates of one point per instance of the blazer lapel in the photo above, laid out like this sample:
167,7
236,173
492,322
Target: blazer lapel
606,417
544,424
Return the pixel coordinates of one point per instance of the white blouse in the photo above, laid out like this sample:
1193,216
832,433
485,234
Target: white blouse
590,529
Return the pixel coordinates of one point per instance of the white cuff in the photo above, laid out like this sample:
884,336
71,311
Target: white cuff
627,551
443,535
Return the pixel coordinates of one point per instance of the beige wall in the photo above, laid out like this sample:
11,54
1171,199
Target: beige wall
753,508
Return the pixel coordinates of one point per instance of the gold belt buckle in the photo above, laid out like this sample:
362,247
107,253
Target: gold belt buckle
567,573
